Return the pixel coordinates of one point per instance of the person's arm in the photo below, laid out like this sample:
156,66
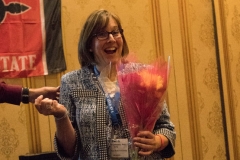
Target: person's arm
66,136
10,93
47,92
15,94
65,132
65,139
162,142
166,129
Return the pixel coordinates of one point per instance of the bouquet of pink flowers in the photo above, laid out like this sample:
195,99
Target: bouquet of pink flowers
142,89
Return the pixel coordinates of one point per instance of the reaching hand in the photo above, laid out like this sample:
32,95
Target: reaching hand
47,92
51,92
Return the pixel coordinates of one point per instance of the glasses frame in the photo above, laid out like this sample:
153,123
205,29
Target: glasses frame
120,31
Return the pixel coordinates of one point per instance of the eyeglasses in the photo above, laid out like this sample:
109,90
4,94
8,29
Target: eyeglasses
105,35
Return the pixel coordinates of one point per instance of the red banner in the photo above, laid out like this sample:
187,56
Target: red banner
22,42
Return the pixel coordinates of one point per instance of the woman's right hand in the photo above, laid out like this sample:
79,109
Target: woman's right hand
48,106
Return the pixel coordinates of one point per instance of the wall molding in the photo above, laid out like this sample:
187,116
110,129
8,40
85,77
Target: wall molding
157,28
191,79
226,79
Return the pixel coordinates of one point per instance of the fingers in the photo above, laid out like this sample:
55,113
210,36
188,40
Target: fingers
56,93
44,106
51,92
144,148
142,152
146,142
58,89
49,105
146,134
38,100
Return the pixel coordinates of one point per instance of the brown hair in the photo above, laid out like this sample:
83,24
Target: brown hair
96,22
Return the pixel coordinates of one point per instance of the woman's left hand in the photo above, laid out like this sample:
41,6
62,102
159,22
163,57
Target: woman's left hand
147,143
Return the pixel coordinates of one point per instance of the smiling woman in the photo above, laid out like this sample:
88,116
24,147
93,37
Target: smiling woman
96,126
106,35
107,48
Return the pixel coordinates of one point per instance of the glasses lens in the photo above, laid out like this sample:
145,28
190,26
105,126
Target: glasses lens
102,35
116,34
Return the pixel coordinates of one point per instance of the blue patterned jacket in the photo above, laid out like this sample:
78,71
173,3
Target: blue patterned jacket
83,97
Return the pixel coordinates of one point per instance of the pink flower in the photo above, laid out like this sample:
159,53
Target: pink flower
142,89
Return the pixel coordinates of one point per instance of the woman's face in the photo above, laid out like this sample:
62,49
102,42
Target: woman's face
108,50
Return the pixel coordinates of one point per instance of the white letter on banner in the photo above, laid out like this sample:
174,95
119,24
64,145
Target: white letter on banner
4,63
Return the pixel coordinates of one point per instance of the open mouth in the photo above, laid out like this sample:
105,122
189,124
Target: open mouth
110,50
